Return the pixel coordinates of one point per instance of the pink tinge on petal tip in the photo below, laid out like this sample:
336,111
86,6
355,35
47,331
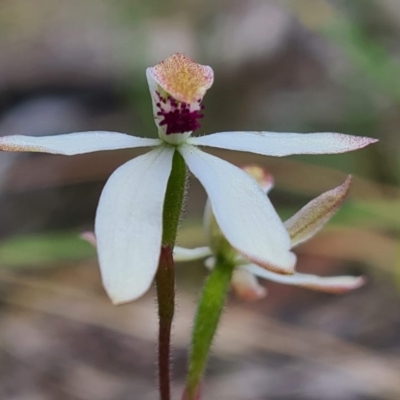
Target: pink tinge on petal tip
89,237
361,141
182,78
15,148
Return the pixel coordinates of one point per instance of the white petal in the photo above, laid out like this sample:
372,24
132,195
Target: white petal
243,212
246,285
74,143
314,215
181,254
334,284
283,144
128,224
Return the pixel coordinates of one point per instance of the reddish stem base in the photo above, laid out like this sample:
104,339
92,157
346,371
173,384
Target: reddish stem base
165,282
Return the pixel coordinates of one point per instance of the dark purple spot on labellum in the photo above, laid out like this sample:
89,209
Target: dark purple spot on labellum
178,117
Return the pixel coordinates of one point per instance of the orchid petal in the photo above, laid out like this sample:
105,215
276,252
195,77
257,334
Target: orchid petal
283,144
181,254
334,284
128,224
314,215
75,143
242,211
246,285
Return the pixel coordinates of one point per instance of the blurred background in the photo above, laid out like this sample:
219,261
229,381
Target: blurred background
303,66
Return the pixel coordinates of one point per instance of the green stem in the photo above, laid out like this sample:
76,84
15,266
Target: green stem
207,318
165,277
173,202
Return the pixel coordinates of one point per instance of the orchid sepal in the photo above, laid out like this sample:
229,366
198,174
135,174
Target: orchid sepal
314,215
75,143
331,284
279,144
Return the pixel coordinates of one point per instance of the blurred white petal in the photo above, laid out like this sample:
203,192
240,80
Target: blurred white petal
246,285
283,144
75,143
209,262
261,176
128,224
242,211
334,284
314,215
182,254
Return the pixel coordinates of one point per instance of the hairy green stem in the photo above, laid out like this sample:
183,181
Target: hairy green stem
173,202
165,277
207,318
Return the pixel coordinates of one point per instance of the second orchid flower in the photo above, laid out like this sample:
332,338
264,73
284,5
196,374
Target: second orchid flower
301,227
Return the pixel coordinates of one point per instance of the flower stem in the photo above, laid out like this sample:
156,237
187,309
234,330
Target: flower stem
207,318
173,202
165,277
165,282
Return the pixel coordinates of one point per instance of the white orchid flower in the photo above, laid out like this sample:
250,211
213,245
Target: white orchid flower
301,227
128,222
